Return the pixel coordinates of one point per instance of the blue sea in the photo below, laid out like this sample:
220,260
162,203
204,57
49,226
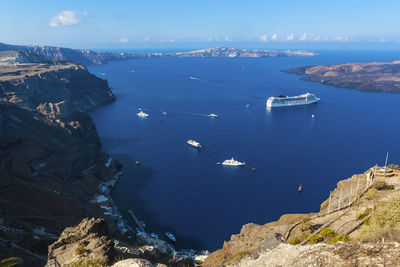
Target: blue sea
183,190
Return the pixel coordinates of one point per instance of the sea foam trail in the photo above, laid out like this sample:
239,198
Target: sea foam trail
208,82
193,114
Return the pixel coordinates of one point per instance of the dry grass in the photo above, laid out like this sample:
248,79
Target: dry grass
384,222
240,255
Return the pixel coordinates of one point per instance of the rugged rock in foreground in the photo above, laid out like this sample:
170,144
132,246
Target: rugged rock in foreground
371,77
88,239
323,255
364,207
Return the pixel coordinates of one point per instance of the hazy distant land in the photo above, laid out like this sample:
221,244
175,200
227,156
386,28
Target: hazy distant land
371,77
89,57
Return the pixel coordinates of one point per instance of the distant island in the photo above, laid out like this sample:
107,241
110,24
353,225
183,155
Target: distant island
89,57
370,77
235,52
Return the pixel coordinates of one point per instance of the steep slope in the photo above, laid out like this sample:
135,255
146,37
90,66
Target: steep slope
50,154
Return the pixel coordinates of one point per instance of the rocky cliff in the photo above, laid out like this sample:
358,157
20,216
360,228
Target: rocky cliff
50,154
363,208
79,56
371,77
88,57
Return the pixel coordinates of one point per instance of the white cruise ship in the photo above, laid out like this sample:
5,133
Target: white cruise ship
233,162
194,143
142,114
285,101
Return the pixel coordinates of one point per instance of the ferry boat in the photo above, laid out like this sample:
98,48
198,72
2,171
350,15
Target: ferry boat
233,162
285,101
194,143
142,114
170,236
213,115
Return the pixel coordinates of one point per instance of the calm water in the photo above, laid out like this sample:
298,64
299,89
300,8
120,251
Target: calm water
180,189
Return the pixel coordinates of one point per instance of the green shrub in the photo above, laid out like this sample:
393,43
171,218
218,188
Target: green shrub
327,233
367,221
80,250
294,241
371,193
382,185
314,239
394,166
85,262
366,212
10,262
342,238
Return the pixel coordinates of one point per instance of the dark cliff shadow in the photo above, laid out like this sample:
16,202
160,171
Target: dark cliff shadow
110,143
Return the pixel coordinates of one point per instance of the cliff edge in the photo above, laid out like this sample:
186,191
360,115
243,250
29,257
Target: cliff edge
50,154
363,208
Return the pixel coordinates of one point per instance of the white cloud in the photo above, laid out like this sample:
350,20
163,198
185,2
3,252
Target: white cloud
67,18
290,37
382,40
317,38
303,37
264,38
341,39
123,40
146,39
274,36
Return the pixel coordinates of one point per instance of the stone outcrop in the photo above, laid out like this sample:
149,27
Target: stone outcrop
323,255
88,239
135,263
371,77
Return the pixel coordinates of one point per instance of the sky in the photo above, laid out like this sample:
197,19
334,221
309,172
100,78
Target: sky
201,23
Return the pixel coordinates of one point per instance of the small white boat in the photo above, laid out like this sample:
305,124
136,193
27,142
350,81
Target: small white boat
170,236
153,235
233,162
164,113
194,143
213,115
142,114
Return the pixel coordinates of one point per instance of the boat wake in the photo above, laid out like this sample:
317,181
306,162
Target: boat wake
195,114
208,82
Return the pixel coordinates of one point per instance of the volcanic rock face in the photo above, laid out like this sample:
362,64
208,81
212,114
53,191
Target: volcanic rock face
50,154
88,239
371,77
